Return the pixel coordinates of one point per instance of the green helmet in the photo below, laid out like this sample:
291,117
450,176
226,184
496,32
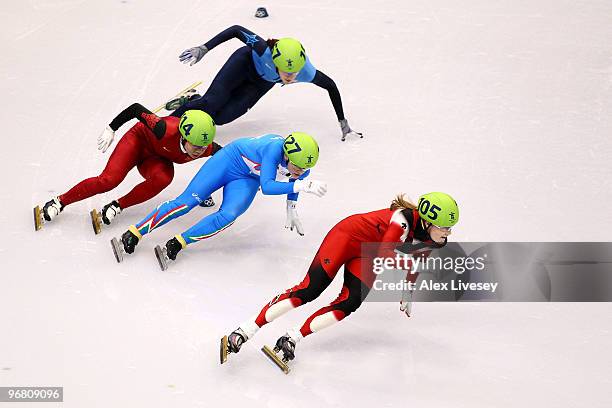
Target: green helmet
288,55
438,208
197,127
301,150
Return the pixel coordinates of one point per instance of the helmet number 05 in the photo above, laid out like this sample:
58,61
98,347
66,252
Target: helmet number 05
425,207
186,128
291,141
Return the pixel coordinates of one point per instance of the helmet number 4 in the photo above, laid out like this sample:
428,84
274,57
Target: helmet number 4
426,208
186,128
291,141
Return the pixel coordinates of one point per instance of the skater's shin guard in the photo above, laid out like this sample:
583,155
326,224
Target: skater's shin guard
208,227
277,307
320,320
351,296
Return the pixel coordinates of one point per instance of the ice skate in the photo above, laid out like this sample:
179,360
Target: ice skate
168,252
50,210
106,216
127,245
232,343
286,345
179,101
96,221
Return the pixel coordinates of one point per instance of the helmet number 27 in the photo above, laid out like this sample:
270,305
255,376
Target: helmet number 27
425,207
291,141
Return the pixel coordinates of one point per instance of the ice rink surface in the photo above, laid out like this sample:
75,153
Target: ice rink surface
503,104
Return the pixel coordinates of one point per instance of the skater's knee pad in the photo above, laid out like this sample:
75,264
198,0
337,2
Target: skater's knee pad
162,179
225,217
349,305
107,182
315,283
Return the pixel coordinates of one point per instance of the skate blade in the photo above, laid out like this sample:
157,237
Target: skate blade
117,250
38,223
95,221
161,258
275,359
223,349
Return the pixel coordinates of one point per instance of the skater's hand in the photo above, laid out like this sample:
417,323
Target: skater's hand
346,130
106,139
293,221
193,55
406,302
315,187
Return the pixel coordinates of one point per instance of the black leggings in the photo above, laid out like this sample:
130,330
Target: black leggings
235,90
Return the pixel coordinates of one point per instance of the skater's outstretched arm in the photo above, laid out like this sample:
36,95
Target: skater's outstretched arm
134,111
323,81
243,34
145,116
193,55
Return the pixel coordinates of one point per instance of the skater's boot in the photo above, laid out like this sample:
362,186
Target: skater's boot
287,345
129,241
173,247
110,211
183,99
52,209
235,340
209,202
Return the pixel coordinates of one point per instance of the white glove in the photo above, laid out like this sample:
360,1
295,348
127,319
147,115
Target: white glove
193,55
346,130
315,187
293,221
406,302
106,139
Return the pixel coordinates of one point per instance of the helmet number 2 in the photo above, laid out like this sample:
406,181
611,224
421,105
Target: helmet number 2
426,208
291,141
186,128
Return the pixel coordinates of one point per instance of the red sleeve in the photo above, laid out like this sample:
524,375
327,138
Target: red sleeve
392,236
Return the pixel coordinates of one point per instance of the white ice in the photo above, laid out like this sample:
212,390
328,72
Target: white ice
503,104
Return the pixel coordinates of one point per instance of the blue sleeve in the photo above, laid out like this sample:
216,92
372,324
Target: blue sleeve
267,176
294,196
246,36
307,73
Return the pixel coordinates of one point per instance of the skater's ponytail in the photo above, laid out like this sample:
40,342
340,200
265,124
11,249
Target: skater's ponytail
400,203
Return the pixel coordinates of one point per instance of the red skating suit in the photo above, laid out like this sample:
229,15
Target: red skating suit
152,145
342,246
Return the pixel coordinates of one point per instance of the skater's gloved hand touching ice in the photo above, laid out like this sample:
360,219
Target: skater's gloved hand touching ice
193,55
346,130
106,139
315,187
293,221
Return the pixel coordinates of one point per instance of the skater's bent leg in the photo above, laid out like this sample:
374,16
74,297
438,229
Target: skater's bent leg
243,99
351,296
158,174
237,197
126,155
210,177
231,75
314,283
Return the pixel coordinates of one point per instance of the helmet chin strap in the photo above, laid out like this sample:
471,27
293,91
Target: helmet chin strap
182,145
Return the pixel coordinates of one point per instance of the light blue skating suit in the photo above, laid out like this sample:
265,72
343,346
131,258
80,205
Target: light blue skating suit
241,168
